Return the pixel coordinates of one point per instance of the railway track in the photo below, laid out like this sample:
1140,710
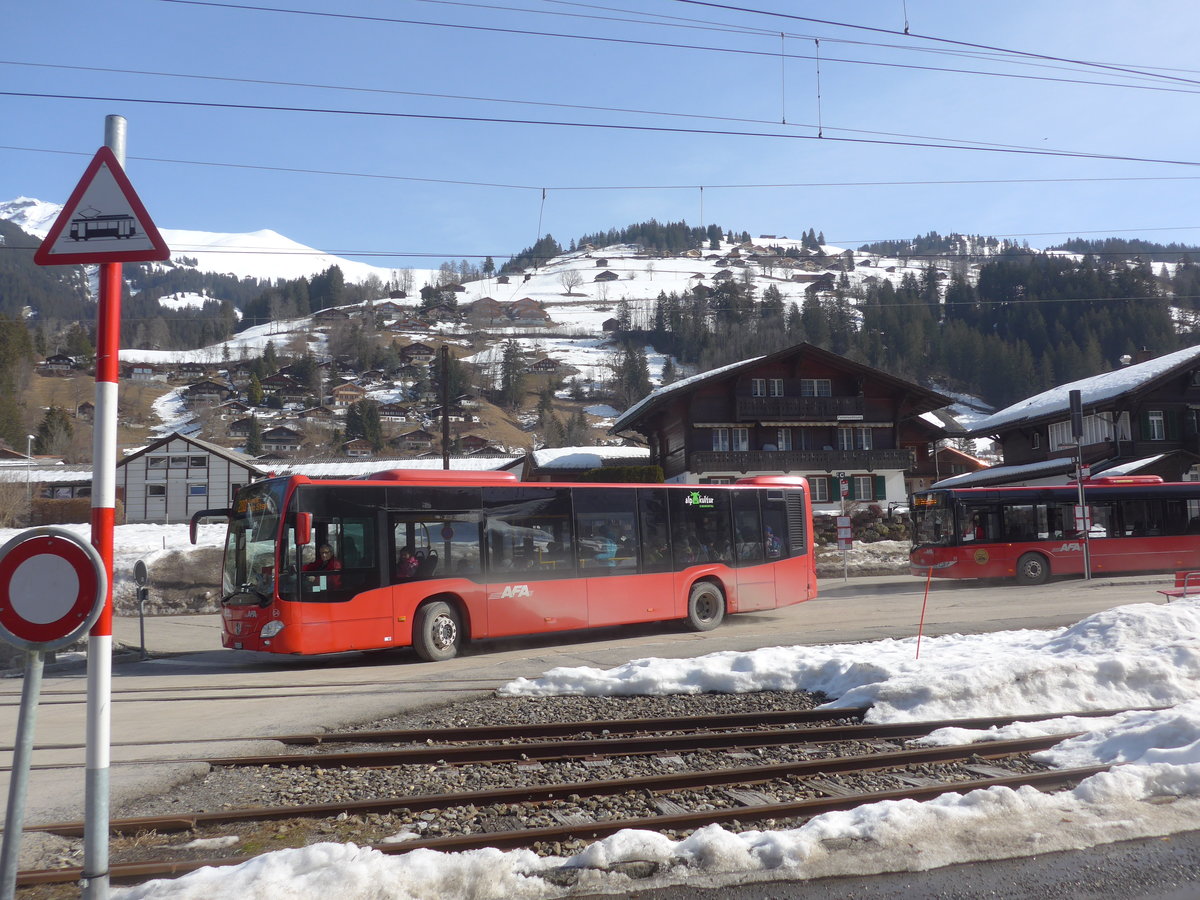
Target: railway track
553,787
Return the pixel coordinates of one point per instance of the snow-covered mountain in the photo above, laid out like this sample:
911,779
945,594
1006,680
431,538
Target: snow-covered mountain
261,254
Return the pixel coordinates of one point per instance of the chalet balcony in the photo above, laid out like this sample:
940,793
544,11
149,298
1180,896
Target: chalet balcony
789,409
800,461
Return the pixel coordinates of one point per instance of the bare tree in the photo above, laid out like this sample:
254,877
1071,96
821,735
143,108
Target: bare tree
14,504
570,279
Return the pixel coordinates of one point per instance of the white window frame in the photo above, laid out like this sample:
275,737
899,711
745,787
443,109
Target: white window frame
197,490
855,437
775,387
758,387
739,439
1157,420
720,440
858,490
783,438
156,489
816,387
819,486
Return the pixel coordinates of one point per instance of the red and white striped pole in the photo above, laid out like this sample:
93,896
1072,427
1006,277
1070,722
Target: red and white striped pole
104,505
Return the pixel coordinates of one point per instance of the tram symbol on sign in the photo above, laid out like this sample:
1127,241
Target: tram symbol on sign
91,223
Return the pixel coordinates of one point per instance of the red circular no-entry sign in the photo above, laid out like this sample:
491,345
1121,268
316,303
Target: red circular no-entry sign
52,588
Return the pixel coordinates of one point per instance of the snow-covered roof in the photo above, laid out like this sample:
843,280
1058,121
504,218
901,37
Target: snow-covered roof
354,468
657,395
1008,474
1131,466
587,457
43,474
1094,391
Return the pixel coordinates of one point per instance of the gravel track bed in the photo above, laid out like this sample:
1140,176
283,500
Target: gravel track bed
237,788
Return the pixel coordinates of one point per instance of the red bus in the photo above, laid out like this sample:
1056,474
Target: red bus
1137,524
495,556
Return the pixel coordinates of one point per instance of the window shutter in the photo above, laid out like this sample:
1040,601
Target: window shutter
849,488
880,488
1144,425
1171,424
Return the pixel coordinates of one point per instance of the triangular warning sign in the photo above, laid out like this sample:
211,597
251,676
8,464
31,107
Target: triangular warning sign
104,221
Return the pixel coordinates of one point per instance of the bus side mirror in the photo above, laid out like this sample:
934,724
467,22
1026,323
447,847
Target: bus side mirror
206,514
303,528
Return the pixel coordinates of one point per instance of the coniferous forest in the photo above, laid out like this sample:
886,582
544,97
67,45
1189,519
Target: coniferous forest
984,316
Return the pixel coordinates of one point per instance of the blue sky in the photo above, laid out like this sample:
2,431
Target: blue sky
215,168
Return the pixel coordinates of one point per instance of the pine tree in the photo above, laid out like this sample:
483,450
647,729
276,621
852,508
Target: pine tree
254,444
512,375
372,425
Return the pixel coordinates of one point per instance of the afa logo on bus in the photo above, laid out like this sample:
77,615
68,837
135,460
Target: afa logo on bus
516,590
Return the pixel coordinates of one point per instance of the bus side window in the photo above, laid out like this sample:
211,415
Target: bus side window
654,526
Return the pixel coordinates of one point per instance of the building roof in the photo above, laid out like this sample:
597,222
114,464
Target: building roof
1096,391
588,457
233,456
341,467
663,394
1046,468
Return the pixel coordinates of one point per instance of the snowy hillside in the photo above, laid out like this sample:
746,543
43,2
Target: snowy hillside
261,254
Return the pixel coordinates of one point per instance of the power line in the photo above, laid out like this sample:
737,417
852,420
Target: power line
658,129
625,187
926,37
708,49
573,106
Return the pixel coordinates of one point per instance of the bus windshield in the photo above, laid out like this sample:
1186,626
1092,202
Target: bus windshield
933,520
250,543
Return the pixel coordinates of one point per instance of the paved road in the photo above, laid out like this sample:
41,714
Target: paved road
197,700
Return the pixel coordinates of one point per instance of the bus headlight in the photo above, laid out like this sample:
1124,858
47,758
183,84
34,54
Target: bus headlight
272,628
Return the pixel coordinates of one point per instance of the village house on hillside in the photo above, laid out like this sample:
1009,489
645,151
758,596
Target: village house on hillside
1143,418
282,439
179,475
850,429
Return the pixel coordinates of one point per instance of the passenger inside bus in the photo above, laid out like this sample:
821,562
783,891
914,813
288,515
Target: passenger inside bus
325,562
608,548
406,566
974,530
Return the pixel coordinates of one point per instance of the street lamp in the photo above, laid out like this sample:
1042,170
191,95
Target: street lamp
29,475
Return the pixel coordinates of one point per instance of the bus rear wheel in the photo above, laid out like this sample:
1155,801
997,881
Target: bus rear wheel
706,606
437,631
1032,568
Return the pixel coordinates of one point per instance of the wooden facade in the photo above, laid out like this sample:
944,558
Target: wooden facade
801,411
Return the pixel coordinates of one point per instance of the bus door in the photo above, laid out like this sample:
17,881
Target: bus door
607,551
702,543
755,578
532,582
341,605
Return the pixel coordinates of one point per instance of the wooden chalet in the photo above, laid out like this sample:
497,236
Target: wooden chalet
802,411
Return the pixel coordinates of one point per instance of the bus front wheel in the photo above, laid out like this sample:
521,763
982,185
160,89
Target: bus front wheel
437,631
1033,568
706,606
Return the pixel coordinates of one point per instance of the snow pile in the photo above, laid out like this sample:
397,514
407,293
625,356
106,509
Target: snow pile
1131,656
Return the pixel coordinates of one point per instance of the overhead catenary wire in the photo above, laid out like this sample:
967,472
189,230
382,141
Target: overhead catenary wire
629,187
626,127
514,101
710,49
927,37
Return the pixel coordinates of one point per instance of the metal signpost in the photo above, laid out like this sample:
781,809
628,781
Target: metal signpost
845,542
103,222
1082,519
52,589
